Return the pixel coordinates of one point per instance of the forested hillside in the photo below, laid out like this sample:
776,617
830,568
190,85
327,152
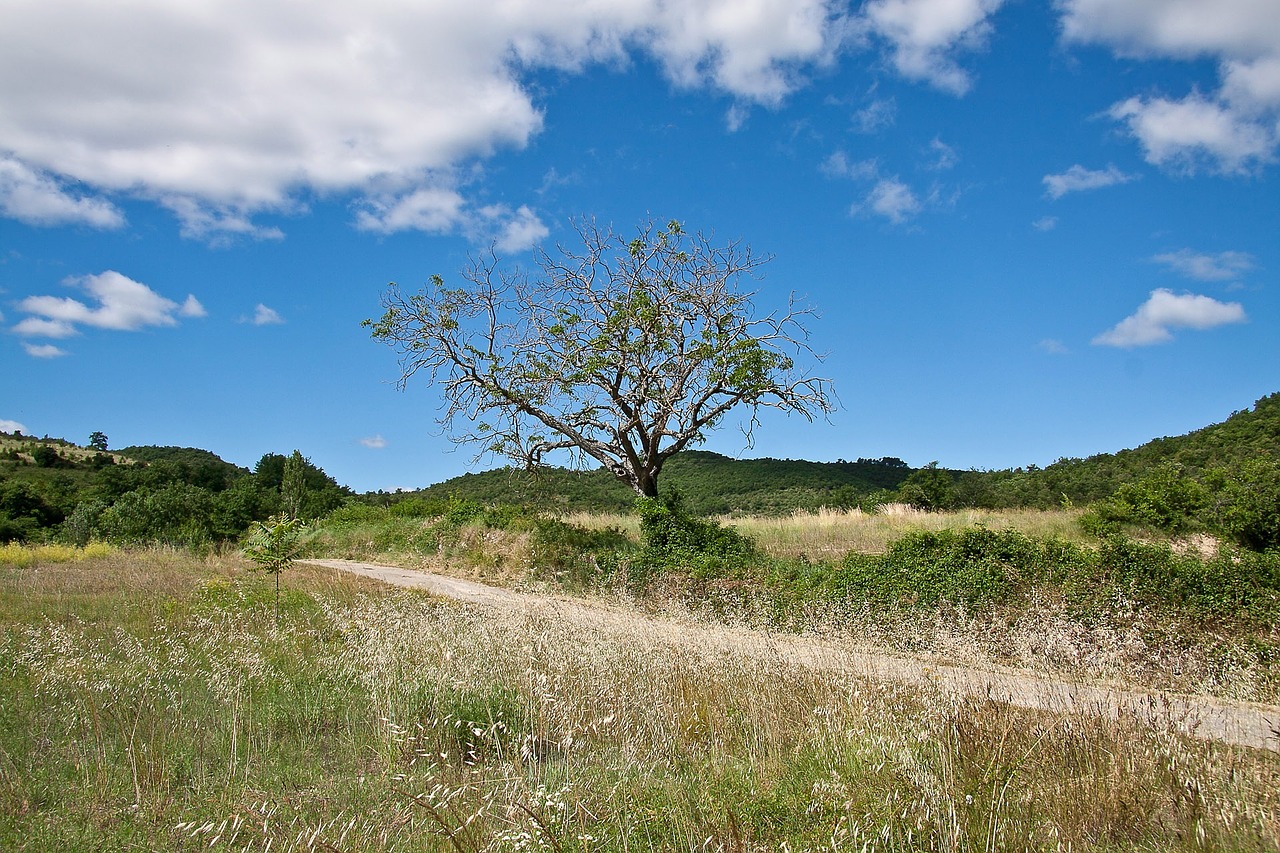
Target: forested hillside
1244,436
708,482
175,495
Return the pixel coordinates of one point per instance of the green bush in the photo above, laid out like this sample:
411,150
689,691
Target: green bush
975,566
1166,499
575,556
675,541
1248,503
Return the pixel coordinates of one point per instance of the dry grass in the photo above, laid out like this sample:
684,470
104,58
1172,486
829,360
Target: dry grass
830,534
379,721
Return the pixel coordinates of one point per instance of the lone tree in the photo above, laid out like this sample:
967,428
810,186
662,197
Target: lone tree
622,351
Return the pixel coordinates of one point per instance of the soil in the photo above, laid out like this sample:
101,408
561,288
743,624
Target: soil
1239,723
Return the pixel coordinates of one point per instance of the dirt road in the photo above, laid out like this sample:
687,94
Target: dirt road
1241,723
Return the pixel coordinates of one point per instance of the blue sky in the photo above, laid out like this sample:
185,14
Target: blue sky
1031,229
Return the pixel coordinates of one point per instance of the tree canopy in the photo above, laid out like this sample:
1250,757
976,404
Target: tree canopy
620,351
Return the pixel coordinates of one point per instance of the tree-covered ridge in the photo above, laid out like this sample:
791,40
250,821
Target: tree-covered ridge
709,483
1244,436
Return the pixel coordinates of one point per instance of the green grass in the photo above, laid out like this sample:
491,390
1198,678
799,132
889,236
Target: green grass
148,701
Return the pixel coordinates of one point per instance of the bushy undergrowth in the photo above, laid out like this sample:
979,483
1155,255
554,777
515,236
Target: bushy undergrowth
170,712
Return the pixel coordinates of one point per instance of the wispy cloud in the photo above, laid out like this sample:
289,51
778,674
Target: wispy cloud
1045,223
376,442
877,115
116,302
43,350
1224,266
1053,347
838,165
1165,311
1078,179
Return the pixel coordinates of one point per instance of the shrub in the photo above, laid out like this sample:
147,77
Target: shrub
676,541
974,566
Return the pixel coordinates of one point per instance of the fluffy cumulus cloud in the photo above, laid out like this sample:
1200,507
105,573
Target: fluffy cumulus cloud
11,426
1224,266
1078,178
115,302
1235,128
222,113
1156,319
893,200
924,37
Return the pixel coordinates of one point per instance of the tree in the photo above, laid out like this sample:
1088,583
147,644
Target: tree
98,441
273,545
293,485
624,352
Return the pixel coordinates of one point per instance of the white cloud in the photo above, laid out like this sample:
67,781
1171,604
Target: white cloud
1224,266
1231,130
1045,223
1164,311
11,426
893,200
1078,178
119,303
224,112
516,231
1054,347
435,210
1183,134
192,308
43,350
376,442
264,316
925,35
37,199
1177,28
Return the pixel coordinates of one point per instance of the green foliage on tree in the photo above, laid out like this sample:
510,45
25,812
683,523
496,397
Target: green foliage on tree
98,441
929,488
623,352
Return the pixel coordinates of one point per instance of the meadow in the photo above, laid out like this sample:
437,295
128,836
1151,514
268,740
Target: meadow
152,701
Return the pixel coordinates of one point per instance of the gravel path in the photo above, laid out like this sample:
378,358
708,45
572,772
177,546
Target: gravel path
1240,723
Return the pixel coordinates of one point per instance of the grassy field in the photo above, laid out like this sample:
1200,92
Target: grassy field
149,701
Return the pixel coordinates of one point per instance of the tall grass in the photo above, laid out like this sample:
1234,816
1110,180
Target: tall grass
831,534
381,721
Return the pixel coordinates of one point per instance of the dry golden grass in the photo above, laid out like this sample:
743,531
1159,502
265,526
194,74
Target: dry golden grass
830,534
